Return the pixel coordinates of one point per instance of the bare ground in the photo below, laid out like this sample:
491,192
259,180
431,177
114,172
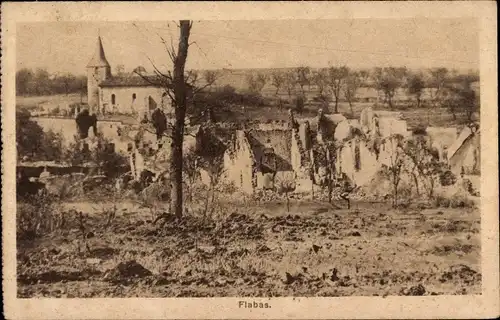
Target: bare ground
257,250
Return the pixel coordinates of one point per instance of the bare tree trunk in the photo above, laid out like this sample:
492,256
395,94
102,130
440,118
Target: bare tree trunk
207,201
190,192
180,112
395,200
213,195
330,190
350,107
287,202
431,190
329,175
415,179
416,184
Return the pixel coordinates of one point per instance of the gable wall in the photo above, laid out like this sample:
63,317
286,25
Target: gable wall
126,105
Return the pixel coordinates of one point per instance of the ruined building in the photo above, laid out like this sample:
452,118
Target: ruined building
298,146
304,151
261,156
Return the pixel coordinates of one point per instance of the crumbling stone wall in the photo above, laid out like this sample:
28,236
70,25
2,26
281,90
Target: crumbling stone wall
346,161
467,157
279,139
239,163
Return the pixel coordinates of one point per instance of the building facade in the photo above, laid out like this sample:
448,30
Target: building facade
132,94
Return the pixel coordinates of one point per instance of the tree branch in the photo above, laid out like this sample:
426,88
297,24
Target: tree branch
165,85
197,90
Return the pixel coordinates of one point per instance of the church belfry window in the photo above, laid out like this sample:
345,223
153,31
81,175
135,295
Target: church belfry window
113,99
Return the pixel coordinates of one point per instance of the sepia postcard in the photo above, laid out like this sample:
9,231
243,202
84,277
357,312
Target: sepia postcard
250,160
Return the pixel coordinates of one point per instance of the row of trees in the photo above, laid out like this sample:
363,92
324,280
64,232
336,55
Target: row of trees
41,82
336,83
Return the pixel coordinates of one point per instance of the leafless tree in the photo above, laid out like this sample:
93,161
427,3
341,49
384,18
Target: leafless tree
336,79
353,82
364,75
277,80
192,77
177,88
290,83
320,80
210,77
215,170
190,168
179,85
180,103
389,80
416,86
284,186
437,85
67,80
303,78
462,98
256,82
395,168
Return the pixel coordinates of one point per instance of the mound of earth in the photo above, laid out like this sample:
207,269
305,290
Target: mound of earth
126,271
418,290
460,273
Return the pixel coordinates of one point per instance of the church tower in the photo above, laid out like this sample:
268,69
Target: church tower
98,70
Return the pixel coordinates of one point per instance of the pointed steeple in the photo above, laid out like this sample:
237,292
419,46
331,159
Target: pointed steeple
99,59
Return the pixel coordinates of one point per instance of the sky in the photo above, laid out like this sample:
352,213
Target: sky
62,47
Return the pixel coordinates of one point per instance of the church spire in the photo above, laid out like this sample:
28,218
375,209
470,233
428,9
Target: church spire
99,58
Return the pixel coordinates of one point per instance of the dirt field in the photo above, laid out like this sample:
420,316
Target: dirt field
257,250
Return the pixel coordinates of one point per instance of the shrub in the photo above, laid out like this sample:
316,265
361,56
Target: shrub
55,112
458,200
441,202
461,201
420,130
447,178
37,216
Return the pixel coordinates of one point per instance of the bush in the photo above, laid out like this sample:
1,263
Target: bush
420,130
441,202
469,187
461,201
447,178
37,217
458,200
55,112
